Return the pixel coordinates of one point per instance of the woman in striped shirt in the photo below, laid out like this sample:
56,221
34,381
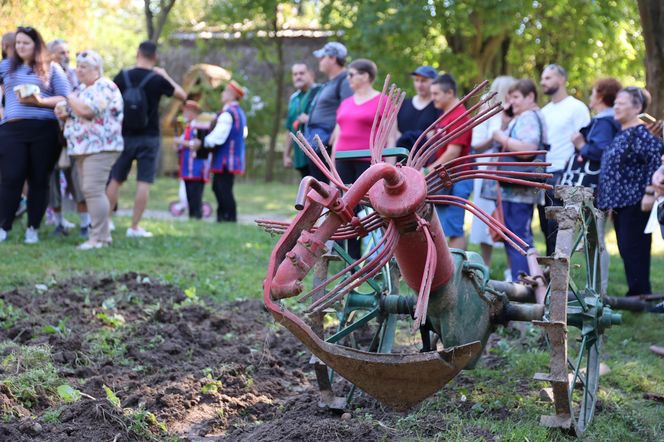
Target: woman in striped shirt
29,145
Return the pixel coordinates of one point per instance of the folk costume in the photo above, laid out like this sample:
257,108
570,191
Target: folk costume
228,157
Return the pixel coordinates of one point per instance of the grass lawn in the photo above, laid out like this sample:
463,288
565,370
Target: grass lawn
252,197
228,262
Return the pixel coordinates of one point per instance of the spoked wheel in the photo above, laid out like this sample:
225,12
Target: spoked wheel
575,317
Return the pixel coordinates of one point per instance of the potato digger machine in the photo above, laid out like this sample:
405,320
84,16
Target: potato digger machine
451,300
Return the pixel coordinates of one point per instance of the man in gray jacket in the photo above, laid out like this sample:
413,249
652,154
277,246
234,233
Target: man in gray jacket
323,116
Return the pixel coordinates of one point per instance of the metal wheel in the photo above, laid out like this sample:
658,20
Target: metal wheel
575,318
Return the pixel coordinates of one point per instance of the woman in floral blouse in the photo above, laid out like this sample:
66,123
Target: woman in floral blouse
93,129
628,165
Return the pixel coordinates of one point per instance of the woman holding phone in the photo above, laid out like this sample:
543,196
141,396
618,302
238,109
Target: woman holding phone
525,132
29,145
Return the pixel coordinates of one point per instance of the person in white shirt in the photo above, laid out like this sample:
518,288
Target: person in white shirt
564,116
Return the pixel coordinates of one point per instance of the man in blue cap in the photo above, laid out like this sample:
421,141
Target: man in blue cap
323,115
417,113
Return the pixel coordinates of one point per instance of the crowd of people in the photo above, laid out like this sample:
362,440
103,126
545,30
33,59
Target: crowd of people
618,152
74,129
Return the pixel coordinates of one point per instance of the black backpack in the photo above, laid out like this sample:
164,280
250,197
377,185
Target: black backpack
135,102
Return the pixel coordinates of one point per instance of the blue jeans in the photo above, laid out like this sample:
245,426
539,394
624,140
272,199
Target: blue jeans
452,217
518,217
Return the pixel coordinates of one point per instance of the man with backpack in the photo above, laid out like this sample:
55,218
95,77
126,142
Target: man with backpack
142,87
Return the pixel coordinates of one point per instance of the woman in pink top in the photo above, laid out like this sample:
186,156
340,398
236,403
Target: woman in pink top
355,117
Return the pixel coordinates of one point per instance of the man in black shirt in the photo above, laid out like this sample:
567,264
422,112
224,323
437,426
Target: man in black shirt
141,138
417,113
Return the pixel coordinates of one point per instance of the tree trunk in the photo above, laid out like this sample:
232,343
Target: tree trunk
652,22
149,17
154,29
278,103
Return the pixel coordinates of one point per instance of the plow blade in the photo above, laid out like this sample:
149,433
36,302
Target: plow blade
398,380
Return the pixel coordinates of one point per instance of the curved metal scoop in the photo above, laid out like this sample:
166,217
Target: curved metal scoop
398,380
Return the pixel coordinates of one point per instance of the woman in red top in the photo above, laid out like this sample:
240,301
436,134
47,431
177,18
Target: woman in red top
355,117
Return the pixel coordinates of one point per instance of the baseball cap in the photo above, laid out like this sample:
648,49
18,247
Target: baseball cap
425,71
333,49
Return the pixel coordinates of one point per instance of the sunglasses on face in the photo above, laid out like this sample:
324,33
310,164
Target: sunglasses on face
26,29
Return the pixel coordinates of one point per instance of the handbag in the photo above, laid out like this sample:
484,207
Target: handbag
63,161
498,215
660,213
514,158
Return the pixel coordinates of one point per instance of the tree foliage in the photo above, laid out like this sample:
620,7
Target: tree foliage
652,18
111,27
477,39
260,21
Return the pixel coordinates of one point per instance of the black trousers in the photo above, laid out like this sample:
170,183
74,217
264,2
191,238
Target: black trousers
195,198
222,186
304,170
550,226
634,247
29,150
314,171
349,171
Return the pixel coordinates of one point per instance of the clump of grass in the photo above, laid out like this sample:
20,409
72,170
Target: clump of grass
9,315
107,343
30,374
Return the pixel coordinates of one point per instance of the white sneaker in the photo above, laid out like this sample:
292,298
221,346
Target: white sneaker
31,236
111,225
89,245
3,235
66,224
138,233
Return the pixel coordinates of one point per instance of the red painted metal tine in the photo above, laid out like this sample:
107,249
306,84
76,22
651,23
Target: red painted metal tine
360,277
330,161
433,188
392,121
380,128
346,269
465,98
386,242
465,158
309,152
380,261
487,219
386,124
431,151
427,278
436,139
502,163
503,179
502,234
516,173
375,120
